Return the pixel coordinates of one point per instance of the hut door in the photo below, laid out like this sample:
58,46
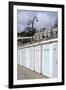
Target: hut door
31,58
55,60
38,59
18,61
46,60
21,56
27,57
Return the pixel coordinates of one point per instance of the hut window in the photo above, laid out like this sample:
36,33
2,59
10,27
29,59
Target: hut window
47,36
43,36
47,49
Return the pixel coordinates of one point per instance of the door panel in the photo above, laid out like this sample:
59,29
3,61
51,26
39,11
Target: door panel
27,55
50,59
31,60
18,57
38,59
55,60
47,60
21,58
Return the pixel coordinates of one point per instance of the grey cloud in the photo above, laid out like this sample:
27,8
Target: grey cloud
45,19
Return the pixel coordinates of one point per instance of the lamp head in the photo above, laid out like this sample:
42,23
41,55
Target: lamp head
28,24
37,20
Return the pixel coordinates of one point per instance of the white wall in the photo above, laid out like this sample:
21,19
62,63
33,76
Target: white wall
4,43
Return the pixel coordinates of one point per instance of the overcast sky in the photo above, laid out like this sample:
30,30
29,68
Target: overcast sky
45,19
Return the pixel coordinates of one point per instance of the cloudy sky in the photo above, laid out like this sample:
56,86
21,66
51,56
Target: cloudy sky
45,19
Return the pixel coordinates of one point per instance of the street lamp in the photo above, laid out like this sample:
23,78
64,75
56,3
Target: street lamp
32,22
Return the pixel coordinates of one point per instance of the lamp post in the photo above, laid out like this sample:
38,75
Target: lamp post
32,22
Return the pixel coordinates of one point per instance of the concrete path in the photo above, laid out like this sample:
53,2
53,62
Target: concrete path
24,73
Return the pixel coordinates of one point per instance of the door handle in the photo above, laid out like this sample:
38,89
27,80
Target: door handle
56,62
